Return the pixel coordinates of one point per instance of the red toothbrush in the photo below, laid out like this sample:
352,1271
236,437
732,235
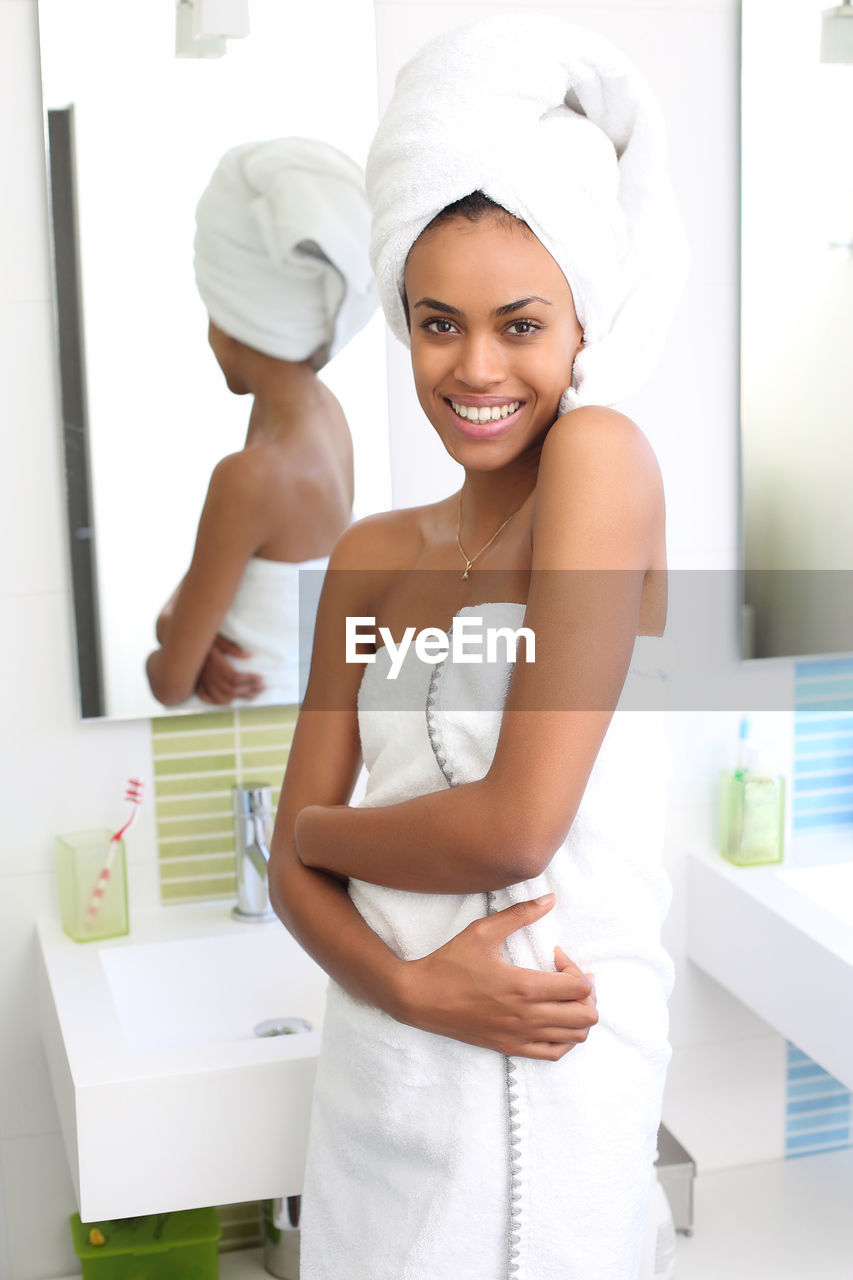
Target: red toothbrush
133,796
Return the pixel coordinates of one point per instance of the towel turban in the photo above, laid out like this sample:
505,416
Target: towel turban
552,122
281,248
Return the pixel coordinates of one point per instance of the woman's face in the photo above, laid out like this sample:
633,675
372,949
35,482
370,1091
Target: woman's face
494,336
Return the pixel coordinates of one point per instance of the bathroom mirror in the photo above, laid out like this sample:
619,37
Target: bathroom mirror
796,325
147,414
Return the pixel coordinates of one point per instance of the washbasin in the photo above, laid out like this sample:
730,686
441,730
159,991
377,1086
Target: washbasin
203,991
168,1096
780,938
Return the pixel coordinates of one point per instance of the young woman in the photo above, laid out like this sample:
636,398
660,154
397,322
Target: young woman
281,265
485,1105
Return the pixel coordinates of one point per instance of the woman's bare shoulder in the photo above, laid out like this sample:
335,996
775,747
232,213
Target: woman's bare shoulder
600,431
599,483
594,445
385,540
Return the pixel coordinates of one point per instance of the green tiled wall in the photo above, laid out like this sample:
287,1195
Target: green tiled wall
197,760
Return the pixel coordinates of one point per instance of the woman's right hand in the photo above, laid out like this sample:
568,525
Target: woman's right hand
219,683
467,990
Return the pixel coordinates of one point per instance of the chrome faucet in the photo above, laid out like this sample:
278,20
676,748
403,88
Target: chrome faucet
253,828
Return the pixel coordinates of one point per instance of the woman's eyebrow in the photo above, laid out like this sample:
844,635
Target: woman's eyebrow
509,307
505,310
438,306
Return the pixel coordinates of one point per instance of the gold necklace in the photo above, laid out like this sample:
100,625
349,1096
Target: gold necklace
470,563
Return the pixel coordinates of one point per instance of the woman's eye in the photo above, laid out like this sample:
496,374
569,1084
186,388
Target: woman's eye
519,328
439,324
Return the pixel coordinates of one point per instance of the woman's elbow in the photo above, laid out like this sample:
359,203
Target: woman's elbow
529,844
168,691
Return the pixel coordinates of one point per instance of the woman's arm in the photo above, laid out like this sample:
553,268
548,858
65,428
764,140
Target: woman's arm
234,523
598,511
465,989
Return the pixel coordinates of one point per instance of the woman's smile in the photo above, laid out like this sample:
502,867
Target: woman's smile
484,417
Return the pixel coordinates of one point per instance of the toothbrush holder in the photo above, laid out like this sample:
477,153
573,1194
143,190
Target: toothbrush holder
80,856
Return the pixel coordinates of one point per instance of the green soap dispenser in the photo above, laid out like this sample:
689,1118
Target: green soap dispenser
751,809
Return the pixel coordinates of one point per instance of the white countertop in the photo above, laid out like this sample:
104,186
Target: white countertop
777,939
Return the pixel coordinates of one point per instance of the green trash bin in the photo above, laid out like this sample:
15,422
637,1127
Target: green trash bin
158,1246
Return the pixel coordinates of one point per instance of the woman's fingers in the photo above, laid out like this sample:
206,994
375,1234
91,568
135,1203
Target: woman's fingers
224,645
496,928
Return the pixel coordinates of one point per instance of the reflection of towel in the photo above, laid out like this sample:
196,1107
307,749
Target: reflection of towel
552,122
418,1141
272,617
281,248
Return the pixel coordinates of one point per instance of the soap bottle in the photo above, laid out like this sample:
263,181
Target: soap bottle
751,808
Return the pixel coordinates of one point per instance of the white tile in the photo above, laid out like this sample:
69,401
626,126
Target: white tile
64,774
39,1201
143,882
32,489
725,1102
26,1101
25,269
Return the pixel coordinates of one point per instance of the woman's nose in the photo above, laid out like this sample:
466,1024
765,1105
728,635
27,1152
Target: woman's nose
479,362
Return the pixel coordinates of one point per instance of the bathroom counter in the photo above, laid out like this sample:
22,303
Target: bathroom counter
776,1221
158,1042
780,939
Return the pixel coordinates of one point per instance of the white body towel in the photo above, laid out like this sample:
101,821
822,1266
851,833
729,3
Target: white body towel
429,1158
266,620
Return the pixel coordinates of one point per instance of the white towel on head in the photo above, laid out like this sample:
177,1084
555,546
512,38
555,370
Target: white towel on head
552,122
281,248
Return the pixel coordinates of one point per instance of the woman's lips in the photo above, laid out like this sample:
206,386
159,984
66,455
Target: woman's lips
501,416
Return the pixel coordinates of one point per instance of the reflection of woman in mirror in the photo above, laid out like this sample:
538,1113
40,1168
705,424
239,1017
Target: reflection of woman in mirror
281,265
472,1117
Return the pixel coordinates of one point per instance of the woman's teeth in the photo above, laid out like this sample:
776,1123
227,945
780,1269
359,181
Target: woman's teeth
492,414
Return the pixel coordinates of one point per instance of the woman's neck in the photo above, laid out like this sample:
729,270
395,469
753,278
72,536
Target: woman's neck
491,497
285,394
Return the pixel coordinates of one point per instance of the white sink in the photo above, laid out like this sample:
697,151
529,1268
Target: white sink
167,1098
780,938
206,991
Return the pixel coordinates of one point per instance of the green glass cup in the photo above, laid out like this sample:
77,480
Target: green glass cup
751,818
91,873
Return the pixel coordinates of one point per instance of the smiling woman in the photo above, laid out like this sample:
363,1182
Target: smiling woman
487,1105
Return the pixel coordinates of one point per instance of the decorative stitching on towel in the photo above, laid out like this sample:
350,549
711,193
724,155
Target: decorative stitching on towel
514,1137
513,1101
432,731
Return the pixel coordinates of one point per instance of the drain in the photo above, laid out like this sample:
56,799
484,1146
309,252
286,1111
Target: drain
283,1027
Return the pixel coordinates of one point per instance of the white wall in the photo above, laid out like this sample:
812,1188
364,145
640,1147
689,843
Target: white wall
726,1086
57,774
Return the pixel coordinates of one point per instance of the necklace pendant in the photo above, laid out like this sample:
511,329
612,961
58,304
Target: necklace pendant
465,574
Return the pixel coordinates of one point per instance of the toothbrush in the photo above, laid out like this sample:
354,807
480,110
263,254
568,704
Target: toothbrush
133,796
743,734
